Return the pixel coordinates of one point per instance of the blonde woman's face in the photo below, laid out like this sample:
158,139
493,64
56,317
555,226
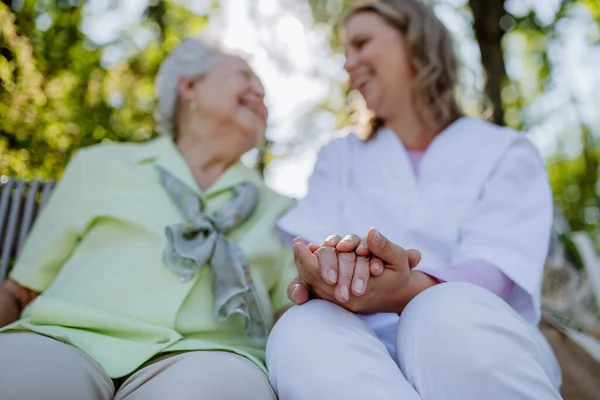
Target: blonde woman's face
232,96
377,61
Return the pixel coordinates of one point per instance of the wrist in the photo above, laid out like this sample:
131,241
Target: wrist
417,283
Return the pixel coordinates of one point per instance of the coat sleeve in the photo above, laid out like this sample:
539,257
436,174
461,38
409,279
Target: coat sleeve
317,215
56,231
511,224
477,272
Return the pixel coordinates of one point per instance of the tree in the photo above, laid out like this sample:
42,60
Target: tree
487,18
56,92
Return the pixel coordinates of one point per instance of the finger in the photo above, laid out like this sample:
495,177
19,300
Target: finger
363,249
348,243
376,266
328,261
297,292
414,258
313,247
361,276
332,240
384,249
298,240
307,263
346,262
321,290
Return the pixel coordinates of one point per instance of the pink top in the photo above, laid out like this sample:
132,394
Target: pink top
478,272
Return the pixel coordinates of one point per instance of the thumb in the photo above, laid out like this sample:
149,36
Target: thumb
384,249
414,258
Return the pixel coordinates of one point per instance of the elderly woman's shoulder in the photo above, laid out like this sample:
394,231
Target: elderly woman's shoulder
118,151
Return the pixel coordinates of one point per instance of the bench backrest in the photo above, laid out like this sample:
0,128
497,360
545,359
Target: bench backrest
20,203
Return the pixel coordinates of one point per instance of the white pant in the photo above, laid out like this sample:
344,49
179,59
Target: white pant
455,341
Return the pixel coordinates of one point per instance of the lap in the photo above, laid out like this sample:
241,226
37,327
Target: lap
38,367
453,341
198,375
465,321
321,351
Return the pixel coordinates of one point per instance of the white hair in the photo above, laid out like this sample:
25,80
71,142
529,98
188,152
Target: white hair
192,58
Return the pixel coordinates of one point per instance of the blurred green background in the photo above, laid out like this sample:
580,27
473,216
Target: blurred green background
74,73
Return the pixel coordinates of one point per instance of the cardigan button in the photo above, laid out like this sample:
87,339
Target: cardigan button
162,341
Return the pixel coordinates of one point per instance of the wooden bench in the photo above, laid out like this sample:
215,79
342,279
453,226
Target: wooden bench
20,203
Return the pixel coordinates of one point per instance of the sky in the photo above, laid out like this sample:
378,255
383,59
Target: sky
294,60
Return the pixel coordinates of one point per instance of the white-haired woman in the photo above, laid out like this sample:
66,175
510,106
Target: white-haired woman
473,201
154,271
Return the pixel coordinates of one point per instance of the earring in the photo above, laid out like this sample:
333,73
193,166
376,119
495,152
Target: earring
193,105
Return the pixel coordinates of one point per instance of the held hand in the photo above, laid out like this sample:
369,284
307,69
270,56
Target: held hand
13,298
388,290
343,262
309,270
346,263
388,293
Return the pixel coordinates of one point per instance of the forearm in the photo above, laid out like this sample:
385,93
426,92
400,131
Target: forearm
10,309
417,283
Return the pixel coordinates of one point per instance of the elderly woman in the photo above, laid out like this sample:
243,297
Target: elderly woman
455,316
154,271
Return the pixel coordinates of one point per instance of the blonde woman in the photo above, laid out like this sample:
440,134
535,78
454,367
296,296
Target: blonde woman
442,300
155,270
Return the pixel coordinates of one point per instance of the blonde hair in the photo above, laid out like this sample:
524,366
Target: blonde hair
433,60
192,58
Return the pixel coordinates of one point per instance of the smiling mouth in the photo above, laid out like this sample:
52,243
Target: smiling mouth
361,83
256,110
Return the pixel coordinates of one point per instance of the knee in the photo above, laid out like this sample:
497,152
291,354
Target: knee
307,321
306,331
458,317
450,303
39,367
217,374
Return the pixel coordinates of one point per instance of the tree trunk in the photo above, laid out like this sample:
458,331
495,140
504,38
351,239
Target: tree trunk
157,12
486,23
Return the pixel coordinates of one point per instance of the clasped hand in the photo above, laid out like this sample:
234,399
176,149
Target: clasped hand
362,275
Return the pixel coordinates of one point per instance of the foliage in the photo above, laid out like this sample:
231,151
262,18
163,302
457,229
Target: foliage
60,91
57,94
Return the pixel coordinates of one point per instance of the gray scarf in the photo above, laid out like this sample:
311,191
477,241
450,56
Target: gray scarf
201,240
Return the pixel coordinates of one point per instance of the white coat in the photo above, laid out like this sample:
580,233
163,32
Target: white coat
482,193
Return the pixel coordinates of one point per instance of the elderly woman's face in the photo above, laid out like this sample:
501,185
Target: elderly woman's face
377,61
232,95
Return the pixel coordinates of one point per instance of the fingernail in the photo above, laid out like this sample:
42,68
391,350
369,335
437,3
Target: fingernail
344,292
295,292
377,266
377,237
359,286
332,276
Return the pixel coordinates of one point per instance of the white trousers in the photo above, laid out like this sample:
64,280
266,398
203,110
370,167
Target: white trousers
455,341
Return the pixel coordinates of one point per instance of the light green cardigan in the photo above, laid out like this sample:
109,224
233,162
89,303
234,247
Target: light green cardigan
95,253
